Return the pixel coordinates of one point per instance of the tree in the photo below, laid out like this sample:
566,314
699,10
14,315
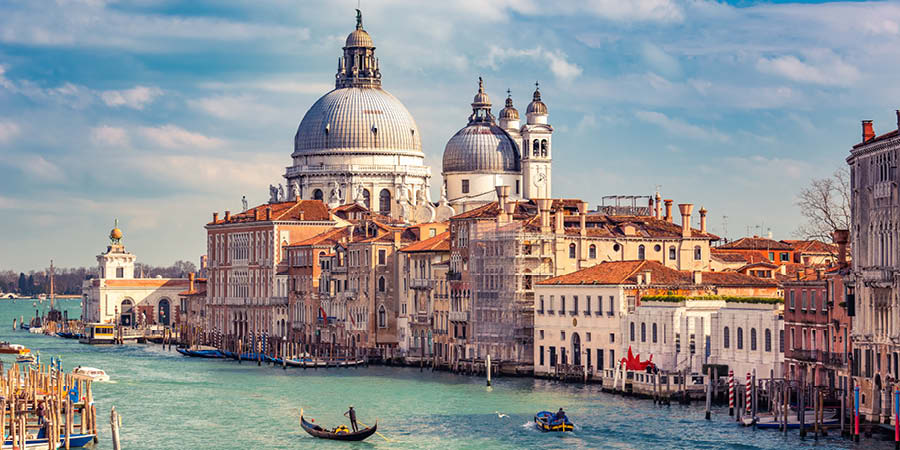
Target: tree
825,204
22,286
29,285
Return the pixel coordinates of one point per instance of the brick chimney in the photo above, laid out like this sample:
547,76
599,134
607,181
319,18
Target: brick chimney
268,213
703,212
841,238
227,216
686,209
191,281
215,217
668,217
868,132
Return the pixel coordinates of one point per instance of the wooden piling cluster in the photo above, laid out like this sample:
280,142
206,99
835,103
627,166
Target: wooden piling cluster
32,398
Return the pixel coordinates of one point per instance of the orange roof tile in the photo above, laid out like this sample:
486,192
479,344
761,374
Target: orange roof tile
329,237
755,243
310,210
626,272
438,243
812,246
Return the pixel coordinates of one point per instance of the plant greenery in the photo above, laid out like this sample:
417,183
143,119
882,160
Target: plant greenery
725,298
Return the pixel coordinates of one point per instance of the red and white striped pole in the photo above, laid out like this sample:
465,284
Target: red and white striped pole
747,398
730,392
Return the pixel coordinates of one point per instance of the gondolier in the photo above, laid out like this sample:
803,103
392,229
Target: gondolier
352,415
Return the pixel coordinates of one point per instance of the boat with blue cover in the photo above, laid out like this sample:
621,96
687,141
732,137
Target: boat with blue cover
546,421
212,354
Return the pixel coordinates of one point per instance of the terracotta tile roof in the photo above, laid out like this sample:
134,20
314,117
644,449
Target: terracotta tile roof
148,282
329,237
730,257
199,288
311,210
812,246
491,210
438,243
601,225
626,272
755,243
884,136
765,264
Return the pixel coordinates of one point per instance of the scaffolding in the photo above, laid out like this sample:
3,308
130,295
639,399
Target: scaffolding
505,262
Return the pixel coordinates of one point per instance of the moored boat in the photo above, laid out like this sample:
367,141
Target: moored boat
341,433
768,421
26,358
201,353
12,349
546,421
94,373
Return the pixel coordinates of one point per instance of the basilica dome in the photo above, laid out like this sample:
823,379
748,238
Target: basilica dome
357,118
481,146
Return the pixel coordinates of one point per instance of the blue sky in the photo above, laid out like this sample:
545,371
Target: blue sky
160,112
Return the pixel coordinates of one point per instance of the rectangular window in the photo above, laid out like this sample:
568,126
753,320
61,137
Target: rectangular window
517,186
784,257
542,355
611,305
465,186
562,336
781,341
803,300
587,304
771,256
562,305
612,358
793,303
120,272
542,334
552,356
574,311
541,311
600,358
587,337
812,300
612,338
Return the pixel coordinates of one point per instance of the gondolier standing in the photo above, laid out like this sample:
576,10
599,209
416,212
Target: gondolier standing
352,415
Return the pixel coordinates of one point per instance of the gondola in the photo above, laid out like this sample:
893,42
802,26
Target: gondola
545,422
212,354
321,433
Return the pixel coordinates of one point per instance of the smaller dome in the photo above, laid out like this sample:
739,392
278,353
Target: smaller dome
359,38
481,147
481,98
509,112
537,106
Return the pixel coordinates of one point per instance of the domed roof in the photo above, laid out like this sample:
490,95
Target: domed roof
537,106
509,112
481,147
359,38
357,118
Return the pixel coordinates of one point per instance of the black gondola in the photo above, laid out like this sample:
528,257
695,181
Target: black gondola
322,433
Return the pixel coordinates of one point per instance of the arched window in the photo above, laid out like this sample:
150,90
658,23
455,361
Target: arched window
768,340
740,338
544,148
317,194
382,317
367,199
592,251
381,284
654,332
698,253
753,339
384,202
536,147
726,338
641,252
672,252
571,250
643,332
632,331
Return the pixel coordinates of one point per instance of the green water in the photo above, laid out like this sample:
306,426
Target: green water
168,401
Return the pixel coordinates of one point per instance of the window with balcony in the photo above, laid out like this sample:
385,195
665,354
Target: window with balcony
574,310
541,300
562,305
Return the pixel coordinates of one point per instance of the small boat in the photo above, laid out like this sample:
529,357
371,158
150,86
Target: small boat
33,443
213,353
92,372
545,421
768,421
341,433
13,349
26,358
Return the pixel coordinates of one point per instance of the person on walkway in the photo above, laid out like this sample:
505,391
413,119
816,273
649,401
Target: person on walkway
352,415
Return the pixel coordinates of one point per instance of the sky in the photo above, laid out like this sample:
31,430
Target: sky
159,113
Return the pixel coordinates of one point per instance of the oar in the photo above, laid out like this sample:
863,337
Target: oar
376,432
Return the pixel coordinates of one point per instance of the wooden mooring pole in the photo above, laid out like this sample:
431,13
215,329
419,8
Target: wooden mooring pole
709,388
115,422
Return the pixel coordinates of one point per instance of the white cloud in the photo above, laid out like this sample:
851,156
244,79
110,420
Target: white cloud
679,127
8,131
136,97
38,167
823,68
661,61
173,137
758,167
109,136
556,60
620,10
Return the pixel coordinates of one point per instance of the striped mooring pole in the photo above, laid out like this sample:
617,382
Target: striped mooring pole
896,419
856,413
730,392
748,401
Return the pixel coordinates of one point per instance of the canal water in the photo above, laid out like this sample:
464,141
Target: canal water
168,401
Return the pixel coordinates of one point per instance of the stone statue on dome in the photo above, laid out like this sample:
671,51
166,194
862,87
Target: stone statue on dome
280,192
420,196
295,191
335,199
273,194
244,202
360,197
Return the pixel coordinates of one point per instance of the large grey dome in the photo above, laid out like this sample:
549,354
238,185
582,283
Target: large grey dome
481,147
357,119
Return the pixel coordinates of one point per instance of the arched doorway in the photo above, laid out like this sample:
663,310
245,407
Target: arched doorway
126,319
164,312
576,349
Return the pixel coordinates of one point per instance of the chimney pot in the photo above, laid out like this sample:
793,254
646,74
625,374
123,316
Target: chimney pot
268,213
703,212
868,131
841,237
686,210
191,279
227,215
668,217
647,278
215,217
658,214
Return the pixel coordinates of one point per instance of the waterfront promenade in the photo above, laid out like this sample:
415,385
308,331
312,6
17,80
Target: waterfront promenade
171,402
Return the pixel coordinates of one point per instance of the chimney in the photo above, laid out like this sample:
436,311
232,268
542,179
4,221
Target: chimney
668,217
227,216
841,237
697,277
703,212
868,132
686,209
582,215
647,279
191,280
502,194
396,239
658,206
559,225
820,274
302,214
782,269
510,209
215,217
544,211
268,213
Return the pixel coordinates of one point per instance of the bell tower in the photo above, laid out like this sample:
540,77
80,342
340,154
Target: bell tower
536,149
116,262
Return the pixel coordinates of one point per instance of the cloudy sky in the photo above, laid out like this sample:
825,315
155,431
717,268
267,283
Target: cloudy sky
160,112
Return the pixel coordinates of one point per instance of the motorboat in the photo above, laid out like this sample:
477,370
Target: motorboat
546,421
92,372
26,358
13,349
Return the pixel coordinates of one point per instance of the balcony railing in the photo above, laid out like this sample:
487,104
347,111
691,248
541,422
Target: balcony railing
421,283
459,316
366,168
807,355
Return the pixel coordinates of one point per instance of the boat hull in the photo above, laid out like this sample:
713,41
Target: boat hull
544,421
